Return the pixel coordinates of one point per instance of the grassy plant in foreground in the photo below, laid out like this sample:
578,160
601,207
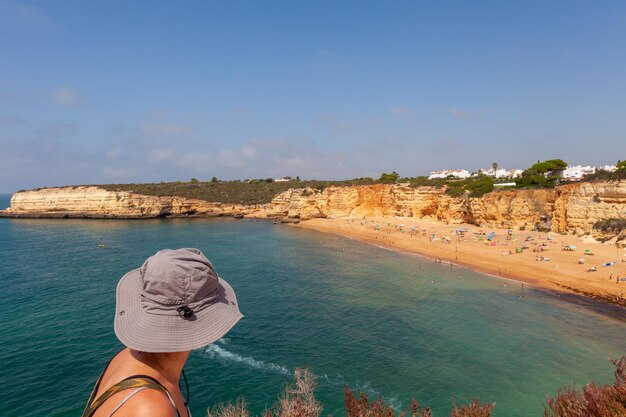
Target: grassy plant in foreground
594,400
298,400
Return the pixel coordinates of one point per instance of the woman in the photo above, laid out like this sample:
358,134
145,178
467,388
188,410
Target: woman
174,303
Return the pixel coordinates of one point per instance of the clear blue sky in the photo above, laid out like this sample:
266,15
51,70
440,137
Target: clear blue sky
120,91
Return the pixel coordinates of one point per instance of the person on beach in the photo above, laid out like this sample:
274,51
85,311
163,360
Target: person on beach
175,303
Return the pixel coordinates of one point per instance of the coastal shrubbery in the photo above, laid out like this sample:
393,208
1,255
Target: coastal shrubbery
593,400
474,186
255,191
298,400
259,191
542,174
602,175
389,178
613,225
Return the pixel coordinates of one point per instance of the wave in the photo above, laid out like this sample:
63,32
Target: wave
217,352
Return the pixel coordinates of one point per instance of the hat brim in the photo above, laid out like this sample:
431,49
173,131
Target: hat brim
146,332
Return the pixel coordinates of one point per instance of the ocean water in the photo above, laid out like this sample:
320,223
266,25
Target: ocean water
355,314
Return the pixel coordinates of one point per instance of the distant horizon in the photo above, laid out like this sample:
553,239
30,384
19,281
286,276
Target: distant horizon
118,92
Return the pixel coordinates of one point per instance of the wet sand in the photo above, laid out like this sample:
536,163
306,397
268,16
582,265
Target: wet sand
530,257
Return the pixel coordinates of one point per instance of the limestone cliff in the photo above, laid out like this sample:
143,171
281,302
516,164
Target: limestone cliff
95,202
572,208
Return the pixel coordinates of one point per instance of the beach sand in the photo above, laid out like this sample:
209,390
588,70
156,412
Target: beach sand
559,270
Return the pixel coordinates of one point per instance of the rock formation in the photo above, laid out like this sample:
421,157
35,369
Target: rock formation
95,202
571,208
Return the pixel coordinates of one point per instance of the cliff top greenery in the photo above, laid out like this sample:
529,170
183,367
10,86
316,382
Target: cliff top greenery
259,191
256,191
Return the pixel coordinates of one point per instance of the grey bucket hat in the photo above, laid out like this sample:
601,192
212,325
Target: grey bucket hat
175,302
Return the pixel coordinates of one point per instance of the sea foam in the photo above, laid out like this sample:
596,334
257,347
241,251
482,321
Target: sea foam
217,352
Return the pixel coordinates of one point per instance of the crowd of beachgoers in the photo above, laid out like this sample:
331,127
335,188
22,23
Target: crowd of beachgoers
548,260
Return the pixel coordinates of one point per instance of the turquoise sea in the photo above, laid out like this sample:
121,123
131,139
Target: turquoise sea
392,325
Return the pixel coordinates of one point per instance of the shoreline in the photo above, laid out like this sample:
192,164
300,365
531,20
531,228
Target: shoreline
563,275
605,293
598,304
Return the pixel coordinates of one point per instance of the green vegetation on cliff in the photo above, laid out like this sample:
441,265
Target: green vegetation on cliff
602,175
230,192
544,174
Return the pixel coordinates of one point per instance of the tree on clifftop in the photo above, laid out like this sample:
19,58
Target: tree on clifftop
389,178
549,167
542,174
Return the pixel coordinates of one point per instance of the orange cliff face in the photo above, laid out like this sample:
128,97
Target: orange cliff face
572,208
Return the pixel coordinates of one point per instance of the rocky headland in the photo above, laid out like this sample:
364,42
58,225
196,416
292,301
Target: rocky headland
567,209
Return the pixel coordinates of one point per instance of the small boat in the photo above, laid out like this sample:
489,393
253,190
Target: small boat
102,245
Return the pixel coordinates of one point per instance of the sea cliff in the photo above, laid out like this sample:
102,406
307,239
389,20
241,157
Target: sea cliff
572,208
95,202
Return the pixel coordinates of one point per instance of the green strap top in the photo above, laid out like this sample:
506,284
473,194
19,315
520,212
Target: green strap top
136,381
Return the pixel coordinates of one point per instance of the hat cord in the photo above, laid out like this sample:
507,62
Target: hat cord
186,388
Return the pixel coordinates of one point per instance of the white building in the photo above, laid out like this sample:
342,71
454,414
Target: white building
514,173
610,168
577,172
501,173
283,179
456,173
497,173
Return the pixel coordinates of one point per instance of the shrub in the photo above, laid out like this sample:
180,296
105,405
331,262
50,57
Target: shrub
479,186
474,409
542,174
389,178
602,175
360,406
475,186
594,400
613,225
298,400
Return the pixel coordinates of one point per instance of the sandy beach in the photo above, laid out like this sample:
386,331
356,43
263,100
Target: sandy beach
546,260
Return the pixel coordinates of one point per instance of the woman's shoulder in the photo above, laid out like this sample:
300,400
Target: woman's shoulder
151,403
145,403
